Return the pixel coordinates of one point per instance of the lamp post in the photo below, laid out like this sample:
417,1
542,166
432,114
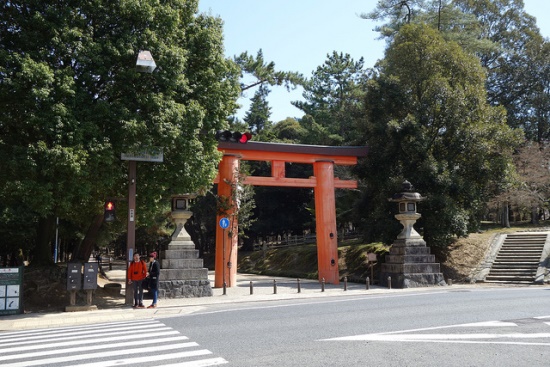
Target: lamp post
144,64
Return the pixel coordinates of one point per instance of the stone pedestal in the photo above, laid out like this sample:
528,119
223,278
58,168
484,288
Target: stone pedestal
182,273
410,265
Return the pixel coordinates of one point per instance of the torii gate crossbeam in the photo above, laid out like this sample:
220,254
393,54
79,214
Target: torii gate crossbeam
323,159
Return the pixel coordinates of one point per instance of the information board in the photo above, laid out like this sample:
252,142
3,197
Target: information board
11,291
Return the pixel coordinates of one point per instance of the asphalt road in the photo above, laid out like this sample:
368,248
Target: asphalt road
431,327
479,327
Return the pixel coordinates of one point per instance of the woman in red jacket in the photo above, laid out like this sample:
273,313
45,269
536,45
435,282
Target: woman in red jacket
137,271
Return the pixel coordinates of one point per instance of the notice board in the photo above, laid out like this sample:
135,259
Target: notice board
11,291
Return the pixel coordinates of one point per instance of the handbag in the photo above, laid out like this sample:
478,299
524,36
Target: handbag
145,283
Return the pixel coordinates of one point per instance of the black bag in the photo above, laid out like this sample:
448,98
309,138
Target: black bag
145,283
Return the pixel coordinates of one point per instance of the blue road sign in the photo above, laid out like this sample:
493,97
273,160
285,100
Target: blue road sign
224,223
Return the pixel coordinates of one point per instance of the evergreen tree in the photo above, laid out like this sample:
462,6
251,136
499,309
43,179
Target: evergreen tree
428,121
333,96
72,102
257,117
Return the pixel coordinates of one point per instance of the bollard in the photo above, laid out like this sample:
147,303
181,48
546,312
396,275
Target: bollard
72,300
251,288
323,285
110,264
89,297
368,283
389,282
449,282
345,284
274,286
224,288
299,286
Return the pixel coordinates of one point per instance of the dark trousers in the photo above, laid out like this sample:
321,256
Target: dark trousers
138,292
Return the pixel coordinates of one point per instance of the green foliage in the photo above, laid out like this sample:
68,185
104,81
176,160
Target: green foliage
265,73
257,117
72,102
333,96
429,122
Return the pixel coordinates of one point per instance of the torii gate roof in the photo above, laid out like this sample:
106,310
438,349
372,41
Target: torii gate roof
297,153
279,153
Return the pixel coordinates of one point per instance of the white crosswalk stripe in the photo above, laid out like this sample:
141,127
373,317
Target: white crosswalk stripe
111,344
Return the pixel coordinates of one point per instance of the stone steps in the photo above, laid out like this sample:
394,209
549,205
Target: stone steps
518,259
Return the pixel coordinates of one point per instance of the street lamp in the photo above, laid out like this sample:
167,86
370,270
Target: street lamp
144,64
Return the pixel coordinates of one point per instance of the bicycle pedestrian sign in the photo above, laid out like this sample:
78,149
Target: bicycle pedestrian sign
224,223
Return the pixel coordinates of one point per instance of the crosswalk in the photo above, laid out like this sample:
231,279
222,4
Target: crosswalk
136,343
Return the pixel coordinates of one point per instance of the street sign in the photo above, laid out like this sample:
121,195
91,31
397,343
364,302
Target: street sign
224,223
151,154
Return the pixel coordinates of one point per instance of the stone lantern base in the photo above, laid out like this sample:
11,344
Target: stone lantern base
411,265
182,273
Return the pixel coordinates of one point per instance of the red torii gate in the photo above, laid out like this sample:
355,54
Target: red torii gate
323,182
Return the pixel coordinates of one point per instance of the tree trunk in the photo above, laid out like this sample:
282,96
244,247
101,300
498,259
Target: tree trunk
505,215
534,214
84,250
42,254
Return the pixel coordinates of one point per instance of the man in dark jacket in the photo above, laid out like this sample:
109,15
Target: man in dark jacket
153,274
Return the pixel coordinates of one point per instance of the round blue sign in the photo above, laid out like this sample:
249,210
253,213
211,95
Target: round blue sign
224,223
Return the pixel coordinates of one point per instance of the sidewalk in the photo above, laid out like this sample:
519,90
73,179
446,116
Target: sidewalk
263,289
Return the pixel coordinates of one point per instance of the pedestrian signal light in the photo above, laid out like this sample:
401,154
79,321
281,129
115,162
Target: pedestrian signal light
245,138
109,211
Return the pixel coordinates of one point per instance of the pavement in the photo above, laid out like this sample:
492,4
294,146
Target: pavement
248,288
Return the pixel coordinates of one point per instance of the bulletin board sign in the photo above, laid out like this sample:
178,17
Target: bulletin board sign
11,291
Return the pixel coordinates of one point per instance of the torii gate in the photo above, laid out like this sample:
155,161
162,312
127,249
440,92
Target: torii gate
323,182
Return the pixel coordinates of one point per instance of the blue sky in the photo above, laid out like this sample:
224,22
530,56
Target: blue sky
298,34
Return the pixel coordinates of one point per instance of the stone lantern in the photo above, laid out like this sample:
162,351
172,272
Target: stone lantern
407,200
181,205
409,262
183,273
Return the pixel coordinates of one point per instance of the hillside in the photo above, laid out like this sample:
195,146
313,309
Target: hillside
45,288
458,263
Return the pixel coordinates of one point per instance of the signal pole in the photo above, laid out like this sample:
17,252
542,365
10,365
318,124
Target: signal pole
131,236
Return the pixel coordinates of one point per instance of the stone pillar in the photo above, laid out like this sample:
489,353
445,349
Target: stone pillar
409,263
182,273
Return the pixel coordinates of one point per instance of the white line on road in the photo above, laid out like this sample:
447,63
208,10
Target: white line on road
440,337
468,338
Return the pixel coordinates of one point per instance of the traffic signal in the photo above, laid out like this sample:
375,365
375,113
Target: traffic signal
233,136
109,211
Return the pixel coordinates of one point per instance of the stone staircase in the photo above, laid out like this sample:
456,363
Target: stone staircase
518,259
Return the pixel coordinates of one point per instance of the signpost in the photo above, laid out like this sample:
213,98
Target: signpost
224,223
149,154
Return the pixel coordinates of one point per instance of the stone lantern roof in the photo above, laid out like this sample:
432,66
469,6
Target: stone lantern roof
407,194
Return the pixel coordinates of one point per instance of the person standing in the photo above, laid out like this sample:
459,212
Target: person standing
137,271
154,273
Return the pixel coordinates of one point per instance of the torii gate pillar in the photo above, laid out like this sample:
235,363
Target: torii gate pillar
323,183
325,217
227,239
